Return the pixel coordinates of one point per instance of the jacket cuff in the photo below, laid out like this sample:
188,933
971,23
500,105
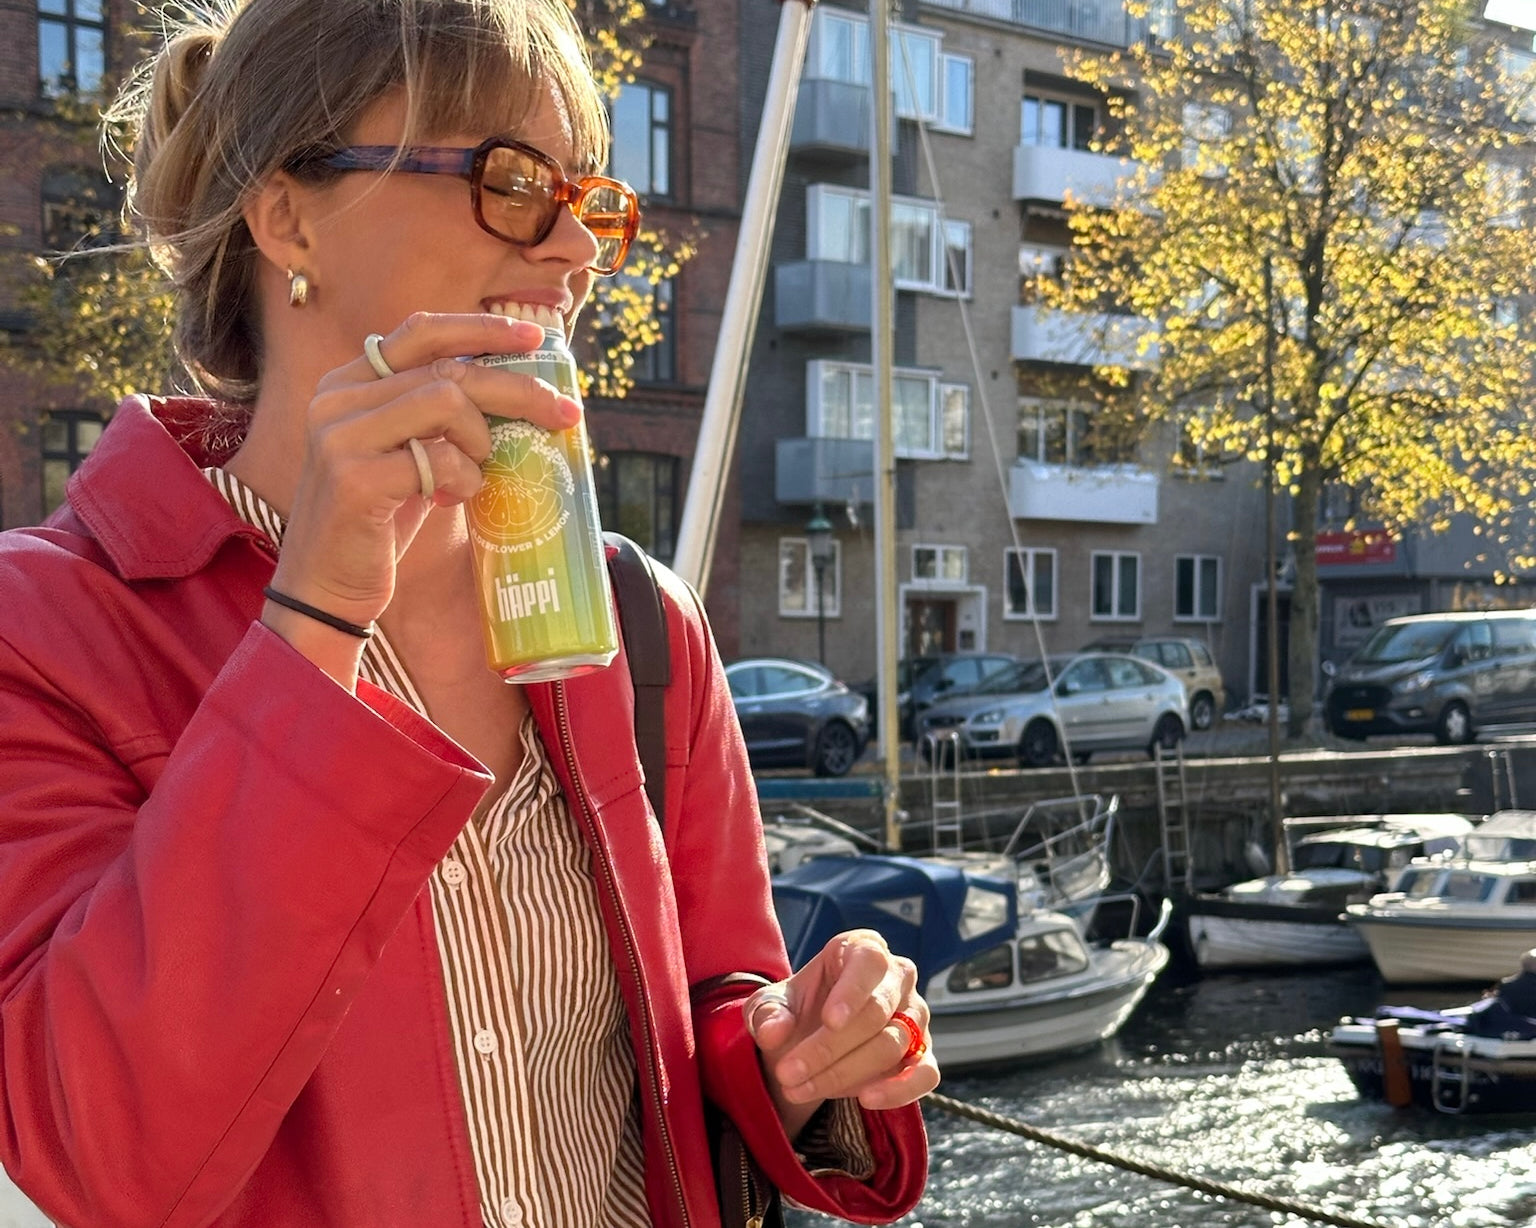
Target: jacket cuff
898,1143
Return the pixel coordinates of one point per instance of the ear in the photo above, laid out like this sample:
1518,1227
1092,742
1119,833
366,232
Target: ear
280,217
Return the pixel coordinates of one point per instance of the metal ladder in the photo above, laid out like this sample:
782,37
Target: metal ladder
1450,1073
1501,779
1173,820
941,747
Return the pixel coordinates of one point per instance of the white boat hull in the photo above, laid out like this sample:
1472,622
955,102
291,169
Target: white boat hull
1240,942
1078,1012
1418,951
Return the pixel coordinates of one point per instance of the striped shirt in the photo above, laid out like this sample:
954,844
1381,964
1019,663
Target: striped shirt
539,1028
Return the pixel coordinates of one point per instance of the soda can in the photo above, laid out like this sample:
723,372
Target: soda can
537,543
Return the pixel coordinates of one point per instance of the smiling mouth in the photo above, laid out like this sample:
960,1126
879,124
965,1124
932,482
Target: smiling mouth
535,313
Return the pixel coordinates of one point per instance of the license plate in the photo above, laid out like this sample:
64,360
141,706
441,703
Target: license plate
1360,714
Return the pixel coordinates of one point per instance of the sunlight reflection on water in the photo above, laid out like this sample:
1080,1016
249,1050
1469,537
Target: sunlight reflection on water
1224,1078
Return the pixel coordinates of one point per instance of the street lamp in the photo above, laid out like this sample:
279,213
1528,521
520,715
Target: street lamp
818,535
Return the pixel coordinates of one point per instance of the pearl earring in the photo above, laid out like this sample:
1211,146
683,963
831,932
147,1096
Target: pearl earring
298,289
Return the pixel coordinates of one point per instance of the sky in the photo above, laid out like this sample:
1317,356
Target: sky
1520,13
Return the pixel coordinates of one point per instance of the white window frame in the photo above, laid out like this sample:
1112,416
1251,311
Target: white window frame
1204,124
1198,562
1074,411
1518,68
1071,102
961,450
1117,615
858,72
940,553
822,198
961,125
1027,555
1042,260
833,596
819,370
1505,191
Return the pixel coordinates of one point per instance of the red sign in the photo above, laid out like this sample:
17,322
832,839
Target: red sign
1359,546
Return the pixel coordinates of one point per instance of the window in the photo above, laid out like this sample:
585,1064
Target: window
1205,125
957,94
1197,588
955,420
1506,191
657,363
1060,433
1518,69
642,138
1042,261
940,564
78,208
1057,123
798,580
837,228
839,51
71,47
915,72
1116,586
1029,583
637,496
926,415
68,437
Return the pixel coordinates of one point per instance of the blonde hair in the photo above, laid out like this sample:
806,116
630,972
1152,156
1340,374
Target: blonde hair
243,88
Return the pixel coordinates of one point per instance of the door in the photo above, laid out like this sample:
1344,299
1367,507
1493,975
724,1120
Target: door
1133,700
1514,646
930,626
1082,701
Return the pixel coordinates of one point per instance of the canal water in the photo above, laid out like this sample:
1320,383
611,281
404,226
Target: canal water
1225,1077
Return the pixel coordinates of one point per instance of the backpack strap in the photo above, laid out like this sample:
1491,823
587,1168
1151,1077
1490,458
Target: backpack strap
643,622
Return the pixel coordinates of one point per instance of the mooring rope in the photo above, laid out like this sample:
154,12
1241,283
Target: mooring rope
1023,1129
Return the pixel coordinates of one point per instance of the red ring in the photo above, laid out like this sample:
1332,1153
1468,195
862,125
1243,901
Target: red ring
916,1044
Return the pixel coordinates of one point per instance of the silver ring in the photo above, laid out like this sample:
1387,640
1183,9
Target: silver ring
376,359
423,467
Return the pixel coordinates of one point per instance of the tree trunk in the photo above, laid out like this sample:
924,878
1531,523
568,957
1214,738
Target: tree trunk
1302,656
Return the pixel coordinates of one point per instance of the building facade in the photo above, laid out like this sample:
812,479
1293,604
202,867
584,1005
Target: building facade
1026,520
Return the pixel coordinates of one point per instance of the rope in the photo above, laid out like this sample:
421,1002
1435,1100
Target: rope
1088,1151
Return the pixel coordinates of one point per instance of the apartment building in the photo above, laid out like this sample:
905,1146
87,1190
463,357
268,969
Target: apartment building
1024,519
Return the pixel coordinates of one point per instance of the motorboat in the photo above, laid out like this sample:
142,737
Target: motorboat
1479,1058
1296,919
1462,918
1005,980
794,832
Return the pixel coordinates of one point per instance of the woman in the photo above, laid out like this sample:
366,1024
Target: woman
307,917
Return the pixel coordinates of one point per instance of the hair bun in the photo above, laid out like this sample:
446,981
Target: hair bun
179,73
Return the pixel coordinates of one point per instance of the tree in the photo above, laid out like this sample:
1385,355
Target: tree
1327,238
103,318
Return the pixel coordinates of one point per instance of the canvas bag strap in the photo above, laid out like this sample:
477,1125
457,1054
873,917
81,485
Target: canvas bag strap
643,622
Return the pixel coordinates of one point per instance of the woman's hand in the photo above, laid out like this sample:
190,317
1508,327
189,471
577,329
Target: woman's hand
828,1031
359,500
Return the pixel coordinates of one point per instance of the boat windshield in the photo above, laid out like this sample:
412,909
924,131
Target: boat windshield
1399,642
1053,953
1341,855
1026,676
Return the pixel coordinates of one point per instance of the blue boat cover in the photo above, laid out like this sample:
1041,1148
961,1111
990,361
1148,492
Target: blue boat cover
915,905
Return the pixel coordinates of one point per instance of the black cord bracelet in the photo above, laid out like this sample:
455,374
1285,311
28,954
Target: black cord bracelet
320,616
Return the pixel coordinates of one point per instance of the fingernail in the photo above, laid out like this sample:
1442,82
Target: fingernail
570,409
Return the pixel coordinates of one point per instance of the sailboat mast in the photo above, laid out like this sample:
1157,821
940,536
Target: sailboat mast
700,520
882,331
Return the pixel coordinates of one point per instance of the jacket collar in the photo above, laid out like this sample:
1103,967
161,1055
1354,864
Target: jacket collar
143,496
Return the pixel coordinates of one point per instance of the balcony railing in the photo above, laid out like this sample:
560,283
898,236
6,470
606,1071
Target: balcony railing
1041,172
831,117
1043,335
822,296
1095,21
1102,494
822,470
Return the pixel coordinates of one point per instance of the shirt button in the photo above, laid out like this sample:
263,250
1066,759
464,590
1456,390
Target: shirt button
454,872
511,1213
485,1042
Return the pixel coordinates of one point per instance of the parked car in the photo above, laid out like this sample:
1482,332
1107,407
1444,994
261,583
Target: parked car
1099,701
1188,660
798,714
921,680
1445,674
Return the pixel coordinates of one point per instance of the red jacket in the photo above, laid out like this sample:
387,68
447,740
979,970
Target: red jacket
221,999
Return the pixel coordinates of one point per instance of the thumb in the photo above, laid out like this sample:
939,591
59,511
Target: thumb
770,1021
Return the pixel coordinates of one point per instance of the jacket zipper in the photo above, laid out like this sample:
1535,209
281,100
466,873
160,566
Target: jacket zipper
605,876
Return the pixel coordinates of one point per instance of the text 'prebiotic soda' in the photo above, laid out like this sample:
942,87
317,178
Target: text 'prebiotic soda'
537,543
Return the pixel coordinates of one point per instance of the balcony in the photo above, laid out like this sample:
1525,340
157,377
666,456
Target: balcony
831,117
1046,173
838,471
1104,494
1044,335
822,296
1094,21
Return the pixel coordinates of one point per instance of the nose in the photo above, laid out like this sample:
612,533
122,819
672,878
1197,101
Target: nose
568,242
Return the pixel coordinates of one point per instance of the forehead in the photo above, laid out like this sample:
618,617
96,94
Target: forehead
542,120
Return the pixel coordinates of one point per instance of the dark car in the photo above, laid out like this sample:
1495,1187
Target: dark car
797,714
920,681
1446,674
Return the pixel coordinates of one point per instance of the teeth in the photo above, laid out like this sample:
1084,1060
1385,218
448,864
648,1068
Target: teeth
544,317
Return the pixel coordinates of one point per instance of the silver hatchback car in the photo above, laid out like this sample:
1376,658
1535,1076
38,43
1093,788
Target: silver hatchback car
1084,703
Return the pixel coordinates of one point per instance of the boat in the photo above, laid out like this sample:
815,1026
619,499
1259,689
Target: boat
1296,919
1479,1058
1004,980
1461,918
